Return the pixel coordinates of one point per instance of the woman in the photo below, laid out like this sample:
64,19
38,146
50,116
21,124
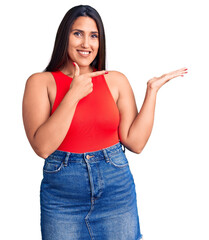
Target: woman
77,116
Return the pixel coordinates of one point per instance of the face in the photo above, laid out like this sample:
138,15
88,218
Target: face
83,41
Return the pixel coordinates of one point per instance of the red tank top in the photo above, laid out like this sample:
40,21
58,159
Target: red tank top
96,119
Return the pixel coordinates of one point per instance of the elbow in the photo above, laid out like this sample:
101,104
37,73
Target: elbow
137,150
133,143
133,148
40,152
42,155
40,148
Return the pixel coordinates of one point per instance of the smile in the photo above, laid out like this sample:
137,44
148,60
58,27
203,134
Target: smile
84,53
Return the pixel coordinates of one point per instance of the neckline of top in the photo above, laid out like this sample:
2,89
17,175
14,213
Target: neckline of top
64,74
94,69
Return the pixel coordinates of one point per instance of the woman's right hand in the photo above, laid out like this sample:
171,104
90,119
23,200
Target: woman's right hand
82,84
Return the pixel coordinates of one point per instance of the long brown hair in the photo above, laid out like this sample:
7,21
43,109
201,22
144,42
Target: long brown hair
60,52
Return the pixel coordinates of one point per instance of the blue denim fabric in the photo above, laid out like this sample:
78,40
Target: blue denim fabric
89,196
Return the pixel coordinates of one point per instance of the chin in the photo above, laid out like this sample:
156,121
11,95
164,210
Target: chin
83,63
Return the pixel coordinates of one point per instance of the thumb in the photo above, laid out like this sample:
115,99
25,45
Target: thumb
76,70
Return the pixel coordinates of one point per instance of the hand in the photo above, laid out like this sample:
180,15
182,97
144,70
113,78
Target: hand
82,84
157,82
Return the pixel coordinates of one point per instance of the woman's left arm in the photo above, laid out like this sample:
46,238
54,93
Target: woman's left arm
135,128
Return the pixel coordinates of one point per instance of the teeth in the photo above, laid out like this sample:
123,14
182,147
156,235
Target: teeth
84,52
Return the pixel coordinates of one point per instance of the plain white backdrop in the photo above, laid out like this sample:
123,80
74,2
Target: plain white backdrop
144,39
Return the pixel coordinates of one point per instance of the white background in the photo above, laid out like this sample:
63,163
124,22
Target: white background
144,39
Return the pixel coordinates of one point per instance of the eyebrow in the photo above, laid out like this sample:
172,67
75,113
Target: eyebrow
83,31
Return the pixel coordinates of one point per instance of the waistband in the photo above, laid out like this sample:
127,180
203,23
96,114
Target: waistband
91,156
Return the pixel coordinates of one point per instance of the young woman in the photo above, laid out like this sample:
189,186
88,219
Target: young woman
80,118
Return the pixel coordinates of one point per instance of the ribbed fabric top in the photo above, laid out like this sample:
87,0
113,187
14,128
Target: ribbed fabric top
96,119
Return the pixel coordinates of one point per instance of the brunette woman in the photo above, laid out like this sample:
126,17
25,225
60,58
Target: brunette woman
80,118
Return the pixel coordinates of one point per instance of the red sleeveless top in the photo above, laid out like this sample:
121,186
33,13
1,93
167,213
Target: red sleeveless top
96,119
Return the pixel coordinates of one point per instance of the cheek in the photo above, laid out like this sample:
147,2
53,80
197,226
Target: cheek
96,46
72,43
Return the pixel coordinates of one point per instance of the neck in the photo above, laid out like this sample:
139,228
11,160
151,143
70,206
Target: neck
68,69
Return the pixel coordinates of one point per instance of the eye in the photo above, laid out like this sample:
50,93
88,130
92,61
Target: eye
77,33
94,36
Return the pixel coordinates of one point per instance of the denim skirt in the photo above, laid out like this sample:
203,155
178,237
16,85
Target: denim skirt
89,196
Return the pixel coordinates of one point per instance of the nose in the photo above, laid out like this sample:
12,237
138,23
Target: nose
85,42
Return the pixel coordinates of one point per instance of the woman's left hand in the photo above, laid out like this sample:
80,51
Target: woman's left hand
157,82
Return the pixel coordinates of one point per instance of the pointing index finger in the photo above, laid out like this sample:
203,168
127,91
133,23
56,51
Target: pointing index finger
76,70
97,73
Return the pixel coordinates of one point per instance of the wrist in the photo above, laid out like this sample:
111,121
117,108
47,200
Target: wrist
73,96
153,85
151,90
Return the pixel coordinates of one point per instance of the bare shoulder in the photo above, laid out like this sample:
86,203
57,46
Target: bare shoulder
118,80
35,103
40,78
114,81
117,76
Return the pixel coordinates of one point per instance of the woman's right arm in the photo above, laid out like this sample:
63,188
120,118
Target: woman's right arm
44,132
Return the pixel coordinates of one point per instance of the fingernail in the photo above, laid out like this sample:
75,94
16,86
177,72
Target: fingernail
106,72
73,63
186,68
182,75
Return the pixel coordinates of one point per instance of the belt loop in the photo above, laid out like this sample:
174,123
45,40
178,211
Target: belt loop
106,155
123,147
65,162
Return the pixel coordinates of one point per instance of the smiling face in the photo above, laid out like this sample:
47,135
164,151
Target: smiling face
83,41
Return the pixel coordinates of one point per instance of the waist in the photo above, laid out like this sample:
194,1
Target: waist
91,156
76,143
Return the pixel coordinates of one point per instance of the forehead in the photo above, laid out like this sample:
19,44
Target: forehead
85,23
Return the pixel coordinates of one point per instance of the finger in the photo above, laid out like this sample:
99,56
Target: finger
178,73
94,74
179,70
184,69
76,70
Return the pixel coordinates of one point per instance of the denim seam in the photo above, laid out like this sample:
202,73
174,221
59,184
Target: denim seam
106,155
87,222
114,152
55,158
54,171
101,185
92,198
65,162
118,166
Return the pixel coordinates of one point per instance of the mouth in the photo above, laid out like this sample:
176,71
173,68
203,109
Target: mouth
84,53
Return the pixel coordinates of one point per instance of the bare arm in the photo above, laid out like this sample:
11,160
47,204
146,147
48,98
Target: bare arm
135,128
141,128
45,133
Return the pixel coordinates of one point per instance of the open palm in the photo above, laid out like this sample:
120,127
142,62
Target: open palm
157,82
